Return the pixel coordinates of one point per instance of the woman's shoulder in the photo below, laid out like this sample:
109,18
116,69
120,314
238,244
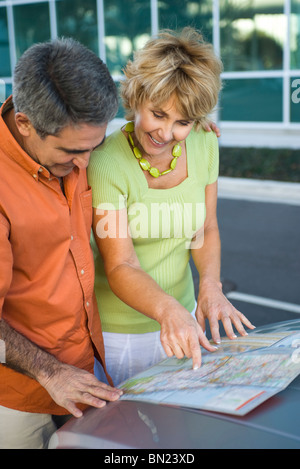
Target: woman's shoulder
111,143
204,137
108,153
203,151
106,172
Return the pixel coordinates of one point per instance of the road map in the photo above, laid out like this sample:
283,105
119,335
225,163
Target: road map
235,379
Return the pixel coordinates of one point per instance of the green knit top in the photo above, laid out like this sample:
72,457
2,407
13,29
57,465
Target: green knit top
162,222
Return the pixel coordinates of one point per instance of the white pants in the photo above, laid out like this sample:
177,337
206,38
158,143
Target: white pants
129,354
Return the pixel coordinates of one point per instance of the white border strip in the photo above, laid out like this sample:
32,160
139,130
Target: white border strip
52,16
11,36
259,300
154,18
101,30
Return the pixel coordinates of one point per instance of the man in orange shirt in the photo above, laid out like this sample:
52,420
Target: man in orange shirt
63,98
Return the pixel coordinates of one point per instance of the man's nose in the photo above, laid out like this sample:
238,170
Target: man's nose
82,160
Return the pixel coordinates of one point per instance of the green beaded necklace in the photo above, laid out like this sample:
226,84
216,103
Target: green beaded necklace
144,164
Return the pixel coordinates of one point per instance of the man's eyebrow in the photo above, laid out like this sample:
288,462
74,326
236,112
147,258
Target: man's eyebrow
76,151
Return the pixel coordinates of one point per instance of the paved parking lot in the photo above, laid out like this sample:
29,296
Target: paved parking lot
261,250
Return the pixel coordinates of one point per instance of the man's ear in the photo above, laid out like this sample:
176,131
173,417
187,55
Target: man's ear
23,124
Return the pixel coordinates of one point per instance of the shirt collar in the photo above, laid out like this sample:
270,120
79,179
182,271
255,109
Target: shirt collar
12,148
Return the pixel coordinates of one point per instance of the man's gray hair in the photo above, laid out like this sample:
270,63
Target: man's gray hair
60,83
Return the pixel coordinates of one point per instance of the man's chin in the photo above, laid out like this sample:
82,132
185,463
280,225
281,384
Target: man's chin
61,172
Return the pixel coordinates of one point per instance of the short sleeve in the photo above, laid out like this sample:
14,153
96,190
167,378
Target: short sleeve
109,190
203,148
213,157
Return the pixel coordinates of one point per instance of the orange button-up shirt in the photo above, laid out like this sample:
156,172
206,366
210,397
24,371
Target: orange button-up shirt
46,269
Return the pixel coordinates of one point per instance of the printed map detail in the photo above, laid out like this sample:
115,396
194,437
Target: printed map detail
235,379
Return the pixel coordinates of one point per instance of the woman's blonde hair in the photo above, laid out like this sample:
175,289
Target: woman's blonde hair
180,64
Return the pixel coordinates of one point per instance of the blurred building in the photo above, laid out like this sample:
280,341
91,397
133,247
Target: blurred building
258,41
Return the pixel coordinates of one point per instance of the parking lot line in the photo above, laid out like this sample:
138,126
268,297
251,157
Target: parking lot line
259,300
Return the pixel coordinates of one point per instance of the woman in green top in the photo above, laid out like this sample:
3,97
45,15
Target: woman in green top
154,195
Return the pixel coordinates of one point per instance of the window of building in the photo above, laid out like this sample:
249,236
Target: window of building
127,28
31,25
252,99
78,19
5,70
252,35
258,41
295,34
176,14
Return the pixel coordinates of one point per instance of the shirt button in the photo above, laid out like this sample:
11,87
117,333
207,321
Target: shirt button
72,238
87,304
82,271
35,176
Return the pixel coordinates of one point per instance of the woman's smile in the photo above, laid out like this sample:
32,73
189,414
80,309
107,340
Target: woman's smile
156,142
158,130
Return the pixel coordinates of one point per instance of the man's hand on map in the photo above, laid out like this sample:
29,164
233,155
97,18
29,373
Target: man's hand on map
214,306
